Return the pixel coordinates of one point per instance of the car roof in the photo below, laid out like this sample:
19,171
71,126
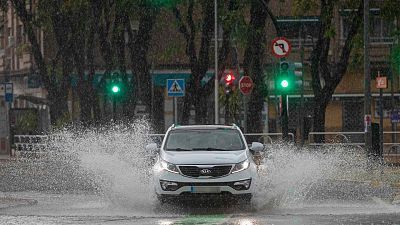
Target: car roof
198,127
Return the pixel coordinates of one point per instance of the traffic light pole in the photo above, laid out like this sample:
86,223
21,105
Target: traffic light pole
114,106
227,112
284,115
284,118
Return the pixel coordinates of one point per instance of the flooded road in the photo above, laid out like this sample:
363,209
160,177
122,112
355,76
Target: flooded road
103,177
86,208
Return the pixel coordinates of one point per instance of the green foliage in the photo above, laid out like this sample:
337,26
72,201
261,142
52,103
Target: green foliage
63,121
170,53
232,103
27,123
330,32
23,48
390,9
234,20
356,61
162,3
302,7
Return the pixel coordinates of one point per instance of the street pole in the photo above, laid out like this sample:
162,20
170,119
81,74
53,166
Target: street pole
392,106
380,120
114,106
175,111
284,118
216,105
301,114
367,81
152,93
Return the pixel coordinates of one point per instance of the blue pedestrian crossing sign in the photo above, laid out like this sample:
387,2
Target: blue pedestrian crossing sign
176,87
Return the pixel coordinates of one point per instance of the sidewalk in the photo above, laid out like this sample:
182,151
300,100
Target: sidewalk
8,202
4,157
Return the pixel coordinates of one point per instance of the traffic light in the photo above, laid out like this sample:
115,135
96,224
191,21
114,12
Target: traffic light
284,79
298,73
289,78
115,87
229,82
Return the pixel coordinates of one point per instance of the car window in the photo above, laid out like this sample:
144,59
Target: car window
213,139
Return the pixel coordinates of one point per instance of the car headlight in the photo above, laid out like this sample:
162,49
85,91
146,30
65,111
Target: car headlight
241,166
168,166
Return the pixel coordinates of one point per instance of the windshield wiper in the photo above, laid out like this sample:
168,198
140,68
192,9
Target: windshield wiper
178,149
209,149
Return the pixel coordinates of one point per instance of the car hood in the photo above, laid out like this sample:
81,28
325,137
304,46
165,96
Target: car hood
204,157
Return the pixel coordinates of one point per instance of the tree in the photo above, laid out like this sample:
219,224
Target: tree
139,46
56,86
252,64
327,72
199,62
232,19
67,23
114,21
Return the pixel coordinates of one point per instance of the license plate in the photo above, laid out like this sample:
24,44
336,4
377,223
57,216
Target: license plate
201,189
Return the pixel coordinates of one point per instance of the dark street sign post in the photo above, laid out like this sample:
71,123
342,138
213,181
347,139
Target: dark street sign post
281,48
381,83
176,88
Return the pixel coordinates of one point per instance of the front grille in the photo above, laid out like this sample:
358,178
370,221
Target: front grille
215,171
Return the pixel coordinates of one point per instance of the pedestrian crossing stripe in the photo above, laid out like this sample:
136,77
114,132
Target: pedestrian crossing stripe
175,88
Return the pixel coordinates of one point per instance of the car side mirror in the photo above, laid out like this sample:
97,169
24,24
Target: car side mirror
152,147
256,147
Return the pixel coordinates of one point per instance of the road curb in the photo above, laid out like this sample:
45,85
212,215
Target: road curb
9,202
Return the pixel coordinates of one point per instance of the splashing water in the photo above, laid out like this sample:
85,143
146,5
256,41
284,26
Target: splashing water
115,158
289,175
112,161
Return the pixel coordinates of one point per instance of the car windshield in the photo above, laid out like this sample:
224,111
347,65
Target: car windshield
204,140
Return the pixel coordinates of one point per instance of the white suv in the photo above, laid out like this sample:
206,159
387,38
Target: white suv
205,160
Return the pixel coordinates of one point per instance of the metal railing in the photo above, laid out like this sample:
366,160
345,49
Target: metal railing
344,139
336,138
270,136
37,144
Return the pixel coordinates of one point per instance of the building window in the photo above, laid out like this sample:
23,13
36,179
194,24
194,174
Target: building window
380,29
299,30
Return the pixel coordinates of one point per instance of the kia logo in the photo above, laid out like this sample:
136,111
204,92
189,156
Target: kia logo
205,171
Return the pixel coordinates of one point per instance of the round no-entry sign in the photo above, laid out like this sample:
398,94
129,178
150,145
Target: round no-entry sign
280,47
246,85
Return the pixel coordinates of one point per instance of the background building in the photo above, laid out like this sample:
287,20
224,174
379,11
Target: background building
167,56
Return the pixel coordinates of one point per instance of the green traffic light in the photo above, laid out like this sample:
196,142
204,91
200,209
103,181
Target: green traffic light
115,89
284,83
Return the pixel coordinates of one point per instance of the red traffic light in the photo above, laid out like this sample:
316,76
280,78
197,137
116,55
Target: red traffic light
229,78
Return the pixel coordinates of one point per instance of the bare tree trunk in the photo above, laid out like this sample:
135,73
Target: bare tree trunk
253,65
139,47
199,63
326,76
92,95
